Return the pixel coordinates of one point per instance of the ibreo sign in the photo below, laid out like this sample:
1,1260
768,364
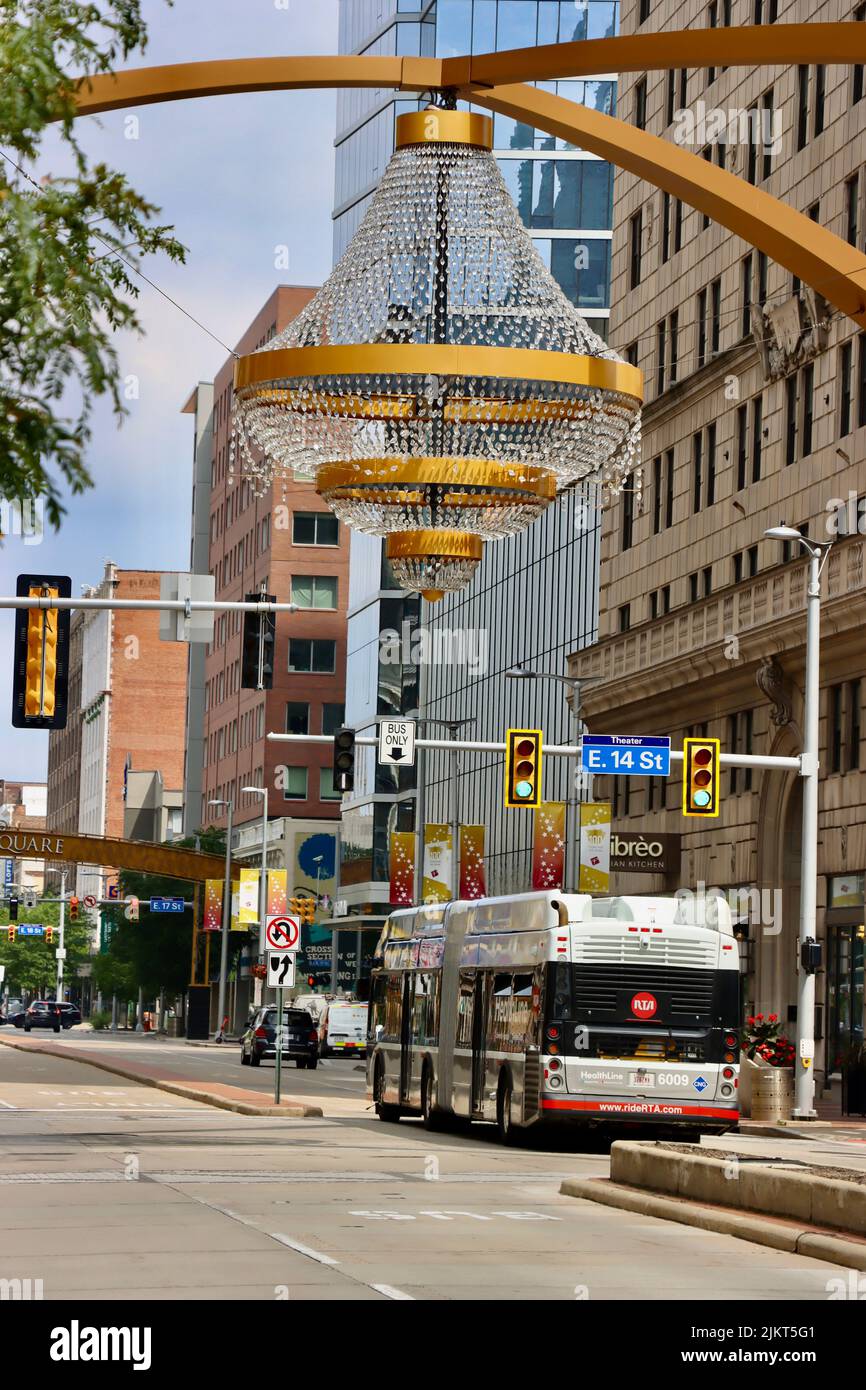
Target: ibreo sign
640,853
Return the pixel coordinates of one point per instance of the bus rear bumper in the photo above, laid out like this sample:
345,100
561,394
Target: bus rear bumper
604,1109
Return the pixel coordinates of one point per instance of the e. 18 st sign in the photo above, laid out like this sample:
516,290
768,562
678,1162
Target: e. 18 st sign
626,755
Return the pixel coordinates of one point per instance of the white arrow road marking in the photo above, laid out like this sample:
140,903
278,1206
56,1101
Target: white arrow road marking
390,1292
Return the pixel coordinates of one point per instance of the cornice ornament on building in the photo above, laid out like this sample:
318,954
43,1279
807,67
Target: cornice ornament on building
790,333
771,680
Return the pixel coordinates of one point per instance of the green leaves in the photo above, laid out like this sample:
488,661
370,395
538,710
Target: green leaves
68,246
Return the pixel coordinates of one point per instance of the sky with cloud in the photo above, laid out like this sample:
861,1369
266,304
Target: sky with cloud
238,177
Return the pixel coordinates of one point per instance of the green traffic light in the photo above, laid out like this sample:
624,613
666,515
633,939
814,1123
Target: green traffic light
523,789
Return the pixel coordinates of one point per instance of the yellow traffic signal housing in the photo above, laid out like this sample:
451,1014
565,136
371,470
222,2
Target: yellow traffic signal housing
305,908
523,767
41,655
701,777
73,909
49,935
12,932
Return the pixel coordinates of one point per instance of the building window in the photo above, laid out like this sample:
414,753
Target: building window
711,464
624,617
627,518
295,787
791,419
327,790
697,470
312,654
636,240
763,271
660,356
820,93
333,718
738,566
666,227
644,11
767,133
808,395
669,493
712,23
708,580
315,528
702,327
752,559
845,366
671,97
752,151
631,354
802,106
835,730
716,326
693,587
657,494
678,225
757,436
857,74
790,549
746,296
684,86
640,104
674,335
314,590
740,741
707,156
742,446
861,379
297,718
852,208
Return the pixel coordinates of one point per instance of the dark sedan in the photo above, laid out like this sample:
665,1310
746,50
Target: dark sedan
300,1041
47,1013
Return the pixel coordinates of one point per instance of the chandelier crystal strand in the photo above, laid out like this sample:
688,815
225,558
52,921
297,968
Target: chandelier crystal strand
439,387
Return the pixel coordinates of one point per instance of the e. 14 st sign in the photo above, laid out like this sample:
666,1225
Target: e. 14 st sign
626,755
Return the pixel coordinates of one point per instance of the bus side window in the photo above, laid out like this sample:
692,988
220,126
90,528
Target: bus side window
523,1021
499,1030
464,1010
393,1008
376,1017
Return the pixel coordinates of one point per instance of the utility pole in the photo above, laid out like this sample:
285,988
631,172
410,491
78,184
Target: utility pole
61,949
227,917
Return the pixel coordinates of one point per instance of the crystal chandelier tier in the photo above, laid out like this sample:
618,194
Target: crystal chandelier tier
440,387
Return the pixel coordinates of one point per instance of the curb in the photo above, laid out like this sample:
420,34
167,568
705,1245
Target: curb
293,1109
761,1230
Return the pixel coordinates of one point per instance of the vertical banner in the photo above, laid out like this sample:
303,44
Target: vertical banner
248,897
402,868
277,900
594,847
236,923
213,905
548,845
438,863
472,880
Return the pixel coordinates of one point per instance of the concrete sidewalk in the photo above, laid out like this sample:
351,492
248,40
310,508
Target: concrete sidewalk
235,1098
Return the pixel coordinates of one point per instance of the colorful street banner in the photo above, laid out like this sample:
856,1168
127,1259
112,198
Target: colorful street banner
236,923
472,879
548,845
594,847
212,917
402,868
277,897
248,897
437,875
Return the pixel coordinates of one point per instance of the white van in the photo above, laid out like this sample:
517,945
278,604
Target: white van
347,1028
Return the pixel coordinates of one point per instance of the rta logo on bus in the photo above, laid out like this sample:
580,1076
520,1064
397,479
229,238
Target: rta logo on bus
644,1005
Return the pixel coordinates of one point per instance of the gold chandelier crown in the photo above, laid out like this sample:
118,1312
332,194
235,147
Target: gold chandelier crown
439,386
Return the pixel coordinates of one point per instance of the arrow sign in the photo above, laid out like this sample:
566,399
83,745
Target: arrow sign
90,901
283,933
281,970
397,742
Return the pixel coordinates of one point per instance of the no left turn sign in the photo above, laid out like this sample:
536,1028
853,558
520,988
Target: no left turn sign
283,933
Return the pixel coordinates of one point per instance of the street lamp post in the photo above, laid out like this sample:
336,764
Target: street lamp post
263,907
804,1086
575,685
227,916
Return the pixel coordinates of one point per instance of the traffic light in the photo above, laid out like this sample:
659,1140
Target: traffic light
257,659
701,777
12,932
305,909
344,760
523,767
73,909
40,666
311,981
13,909
49,935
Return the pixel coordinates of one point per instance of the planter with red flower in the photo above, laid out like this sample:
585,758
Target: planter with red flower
766,1069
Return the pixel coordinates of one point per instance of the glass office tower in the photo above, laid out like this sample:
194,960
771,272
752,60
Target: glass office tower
535,597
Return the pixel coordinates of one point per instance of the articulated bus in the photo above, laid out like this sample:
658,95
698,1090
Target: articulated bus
553,1006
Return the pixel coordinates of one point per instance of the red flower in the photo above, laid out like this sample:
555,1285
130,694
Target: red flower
760,1018
774,1018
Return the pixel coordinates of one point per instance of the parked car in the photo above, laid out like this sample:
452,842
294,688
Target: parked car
47,1013
300,1041
18,1018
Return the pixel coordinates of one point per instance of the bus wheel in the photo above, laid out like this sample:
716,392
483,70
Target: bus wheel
506,1131
383,1109
431,1117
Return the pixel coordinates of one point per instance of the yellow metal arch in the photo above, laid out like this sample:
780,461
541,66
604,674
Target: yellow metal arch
820,259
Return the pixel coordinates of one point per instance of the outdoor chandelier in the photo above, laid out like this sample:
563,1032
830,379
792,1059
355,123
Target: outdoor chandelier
440,387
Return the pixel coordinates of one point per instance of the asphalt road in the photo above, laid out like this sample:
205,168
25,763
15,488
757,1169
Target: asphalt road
109,1189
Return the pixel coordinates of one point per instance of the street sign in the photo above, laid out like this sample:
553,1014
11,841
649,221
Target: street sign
8,871
90,901
167,904
281,970
397,743
283,933
30,929
626,755
60,953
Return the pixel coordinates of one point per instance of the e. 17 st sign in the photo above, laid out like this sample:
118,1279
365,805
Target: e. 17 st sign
626,755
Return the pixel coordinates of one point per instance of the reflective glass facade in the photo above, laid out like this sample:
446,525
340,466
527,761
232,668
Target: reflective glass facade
565,200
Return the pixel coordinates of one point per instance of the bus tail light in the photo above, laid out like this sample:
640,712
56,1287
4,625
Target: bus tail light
729,1057
554,1064
552,1048
728,1073
555,1082
730,1040
553,1031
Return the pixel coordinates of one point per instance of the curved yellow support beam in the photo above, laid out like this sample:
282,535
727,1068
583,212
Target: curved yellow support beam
760,45
229,76
821,259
